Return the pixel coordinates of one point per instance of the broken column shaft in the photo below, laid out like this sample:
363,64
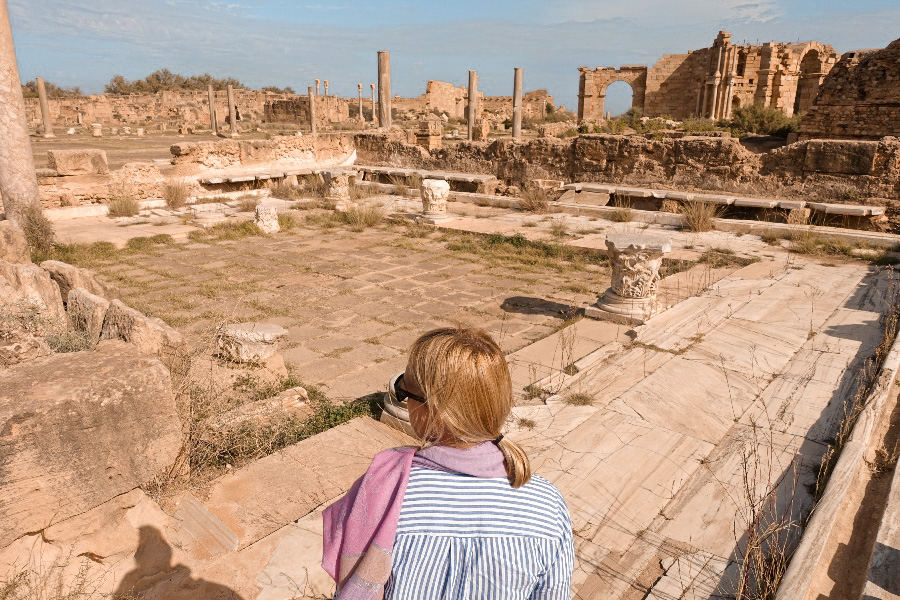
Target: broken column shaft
384,89
45,108
312,111
473,100
517,104
212,110
232,113
18,183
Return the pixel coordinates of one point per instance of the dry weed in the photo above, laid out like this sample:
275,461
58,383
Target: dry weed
623,213
700,216
176,193
534,199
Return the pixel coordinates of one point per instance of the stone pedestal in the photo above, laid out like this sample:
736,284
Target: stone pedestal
435,193
635,260
249,342
396,414
96,130
267,219
338,183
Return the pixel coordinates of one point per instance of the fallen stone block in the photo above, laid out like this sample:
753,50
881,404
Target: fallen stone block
28,294
87,312
249,342
88,161
78,429
69,277
289,404
149,334
13,247
267,219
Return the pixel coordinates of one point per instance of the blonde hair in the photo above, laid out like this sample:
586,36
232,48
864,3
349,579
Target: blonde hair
464,375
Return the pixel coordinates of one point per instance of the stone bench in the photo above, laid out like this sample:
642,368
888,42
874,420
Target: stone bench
472,182
795,211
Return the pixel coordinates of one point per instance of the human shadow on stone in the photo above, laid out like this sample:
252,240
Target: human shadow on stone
537,306
155,575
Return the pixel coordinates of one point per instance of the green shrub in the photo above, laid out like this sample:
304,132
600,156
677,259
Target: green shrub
763,120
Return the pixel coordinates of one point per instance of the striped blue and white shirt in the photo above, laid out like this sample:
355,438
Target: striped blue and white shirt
463,537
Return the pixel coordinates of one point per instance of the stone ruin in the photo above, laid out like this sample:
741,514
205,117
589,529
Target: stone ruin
713,81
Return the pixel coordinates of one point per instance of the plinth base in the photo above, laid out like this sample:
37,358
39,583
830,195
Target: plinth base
628,311
435,218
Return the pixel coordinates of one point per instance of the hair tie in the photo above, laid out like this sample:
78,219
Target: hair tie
498,440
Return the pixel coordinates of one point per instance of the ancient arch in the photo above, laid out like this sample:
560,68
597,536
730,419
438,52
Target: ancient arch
808,80
593,84
613,85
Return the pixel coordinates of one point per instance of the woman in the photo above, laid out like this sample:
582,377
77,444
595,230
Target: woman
462,517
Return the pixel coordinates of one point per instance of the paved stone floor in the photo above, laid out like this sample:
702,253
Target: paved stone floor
661,437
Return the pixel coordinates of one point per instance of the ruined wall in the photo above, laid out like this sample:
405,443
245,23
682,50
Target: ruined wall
712,82
859,99
169,109
809,169
321,151
329,109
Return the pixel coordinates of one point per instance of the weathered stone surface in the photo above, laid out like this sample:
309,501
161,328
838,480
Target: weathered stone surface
149,334
848,158
27,290
78,429
291,403
434,196
86,161
19,346
13,246
267,219
69,277
87,312
249,342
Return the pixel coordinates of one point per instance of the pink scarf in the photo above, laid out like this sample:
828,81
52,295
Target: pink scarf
360,528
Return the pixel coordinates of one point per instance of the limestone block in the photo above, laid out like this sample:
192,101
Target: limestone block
13,247
86,161
672,206
338,185
27,290
295,568
249,342
69,277
434,196
839,156
289,404
798,216
267,219
87,312
78,429
149,334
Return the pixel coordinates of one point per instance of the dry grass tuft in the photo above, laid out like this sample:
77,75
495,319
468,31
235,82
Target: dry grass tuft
122,202
362,216
38,230
579,399
248,203
314,185
700,216
175,193
623,213
534,199
286,191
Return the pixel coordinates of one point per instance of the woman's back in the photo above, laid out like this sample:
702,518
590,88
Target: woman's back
460,536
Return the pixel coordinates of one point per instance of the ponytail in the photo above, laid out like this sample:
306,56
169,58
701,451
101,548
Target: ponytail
518,467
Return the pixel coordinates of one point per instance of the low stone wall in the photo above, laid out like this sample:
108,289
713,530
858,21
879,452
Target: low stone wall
857,172
321,151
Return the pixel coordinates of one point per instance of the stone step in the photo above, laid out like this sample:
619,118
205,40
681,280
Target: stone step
262,497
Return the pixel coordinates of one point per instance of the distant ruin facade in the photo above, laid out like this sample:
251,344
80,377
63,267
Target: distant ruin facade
712,82
860,98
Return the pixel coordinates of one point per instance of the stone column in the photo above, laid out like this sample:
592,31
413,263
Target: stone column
473,102
232,114
18,183
372,85
384,89
317,87
359,92
434,200
517,104
212,110
635,260
45,108
312,111
326,88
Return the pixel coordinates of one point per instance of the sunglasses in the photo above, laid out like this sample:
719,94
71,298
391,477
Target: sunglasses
402,394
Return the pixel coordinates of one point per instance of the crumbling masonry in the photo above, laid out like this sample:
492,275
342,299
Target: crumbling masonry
712,82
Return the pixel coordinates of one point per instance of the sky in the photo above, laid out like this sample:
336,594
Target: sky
294,42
